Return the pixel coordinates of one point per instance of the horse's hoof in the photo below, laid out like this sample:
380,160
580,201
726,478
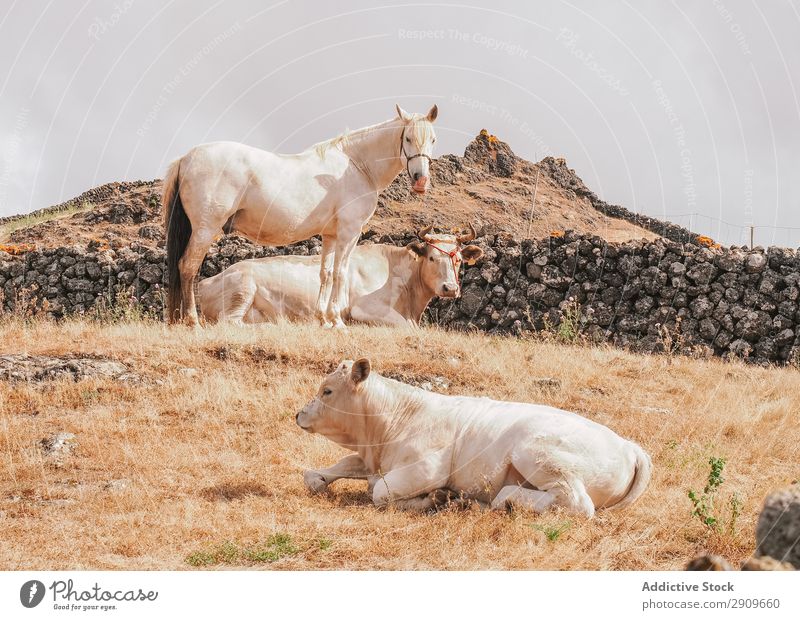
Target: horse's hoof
339,324
327,325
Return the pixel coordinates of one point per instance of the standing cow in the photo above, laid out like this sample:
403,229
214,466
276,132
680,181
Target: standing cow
387,284
415,447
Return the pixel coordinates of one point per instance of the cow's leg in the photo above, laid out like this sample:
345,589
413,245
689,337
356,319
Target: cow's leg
513,496
408,489
188,266
238,302
567,490
341,263
325,278
378,314
351,466
571,494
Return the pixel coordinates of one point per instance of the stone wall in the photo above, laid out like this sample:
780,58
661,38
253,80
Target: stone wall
648,296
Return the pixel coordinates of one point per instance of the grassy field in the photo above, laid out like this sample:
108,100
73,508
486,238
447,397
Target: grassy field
199,464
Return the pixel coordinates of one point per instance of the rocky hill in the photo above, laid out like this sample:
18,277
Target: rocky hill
489,186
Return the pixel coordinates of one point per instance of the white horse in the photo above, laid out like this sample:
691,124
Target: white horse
331,189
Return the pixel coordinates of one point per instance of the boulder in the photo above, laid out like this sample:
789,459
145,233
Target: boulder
778,527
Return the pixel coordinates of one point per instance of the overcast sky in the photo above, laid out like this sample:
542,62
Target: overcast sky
686,110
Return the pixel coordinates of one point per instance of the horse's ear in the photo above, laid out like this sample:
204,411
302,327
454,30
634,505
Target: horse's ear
433,113
405,116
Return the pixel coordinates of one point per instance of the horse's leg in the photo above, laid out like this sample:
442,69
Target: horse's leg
325,280
341,264
188,266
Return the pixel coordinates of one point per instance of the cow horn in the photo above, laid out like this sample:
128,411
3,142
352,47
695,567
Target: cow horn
423,234
467,237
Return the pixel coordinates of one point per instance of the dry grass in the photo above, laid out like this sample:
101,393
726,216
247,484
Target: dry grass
212,463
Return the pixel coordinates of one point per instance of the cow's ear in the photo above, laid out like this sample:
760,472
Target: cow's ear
360,370
418,247
471,254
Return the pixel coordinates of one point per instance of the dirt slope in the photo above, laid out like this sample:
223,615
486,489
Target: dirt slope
489,186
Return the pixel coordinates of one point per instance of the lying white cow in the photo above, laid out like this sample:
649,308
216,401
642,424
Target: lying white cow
388,285
416,447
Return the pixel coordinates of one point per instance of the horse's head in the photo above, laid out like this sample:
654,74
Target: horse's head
416,146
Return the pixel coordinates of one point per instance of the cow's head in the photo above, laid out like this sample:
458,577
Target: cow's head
440,259
337,410
416,146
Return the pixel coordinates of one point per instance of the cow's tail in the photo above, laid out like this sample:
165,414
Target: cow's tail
641,478
178,230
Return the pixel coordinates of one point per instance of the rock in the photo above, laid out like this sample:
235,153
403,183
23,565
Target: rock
117,485
701,307
471,301
494,155
709,562
765,563
59,445
755,263
150,232
547,383
150,274
778,528
491,272
21,367
702,273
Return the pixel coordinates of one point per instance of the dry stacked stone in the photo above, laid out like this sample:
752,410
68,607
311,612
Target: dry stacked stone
642,295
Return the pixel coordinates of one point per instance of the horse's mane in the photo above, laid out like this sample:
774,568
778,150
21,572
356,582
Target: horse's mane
339,141
343,139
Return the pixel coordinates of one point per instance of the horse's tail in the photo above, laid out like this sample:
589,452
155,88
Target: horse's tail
179,230
641,478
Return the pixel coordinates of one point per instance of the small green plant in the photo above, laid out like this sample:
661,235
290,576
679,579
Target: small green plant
735,506
672,339
274,548
569,329
325,544
553,532
122,307
201,558
703,503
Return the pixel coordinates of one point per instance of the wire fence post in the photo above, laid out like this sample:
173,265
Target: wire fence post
752,228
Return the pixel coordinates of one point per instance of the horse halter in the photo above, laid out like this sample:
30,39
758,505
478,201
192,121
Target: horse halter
408,159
